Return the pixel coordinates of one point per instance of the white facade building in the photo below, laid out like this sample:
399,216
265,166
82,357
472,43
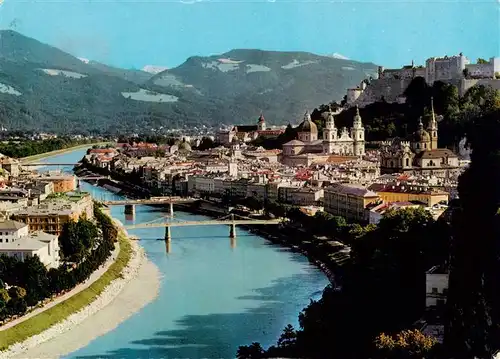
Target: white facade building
346,143
12,230
16,241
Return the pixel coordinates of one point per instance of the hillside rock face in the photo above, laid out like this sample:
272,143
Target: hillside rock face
44,88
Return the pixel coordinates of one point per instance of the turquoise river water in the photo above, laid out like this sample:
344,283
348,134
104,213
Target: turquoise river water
214,296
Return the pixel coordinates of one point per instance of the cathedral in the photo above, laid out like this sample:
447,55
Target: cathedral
420,153
345,143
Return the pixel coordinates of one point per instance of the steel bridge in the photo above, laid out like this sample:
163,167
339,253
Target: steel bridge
229,220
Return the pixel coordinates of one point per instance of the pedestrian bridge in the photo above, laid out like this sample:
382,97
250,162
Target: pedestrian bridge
231,220
151,200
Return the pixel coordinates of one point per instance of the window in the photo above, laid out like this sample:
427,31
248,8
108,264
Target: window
407,162
434,290
440,302
445,291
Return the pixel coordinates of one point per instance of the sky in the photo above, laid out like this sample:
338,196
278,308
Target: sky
132,34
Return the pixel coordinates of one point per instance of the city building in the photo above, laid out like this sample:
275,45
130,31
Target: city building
436,286
16,241
247,133
12,230
62,182
402,192
51,215
349,201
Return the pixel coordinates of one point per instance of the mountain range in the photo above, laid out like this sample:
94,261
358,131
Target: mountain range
45,88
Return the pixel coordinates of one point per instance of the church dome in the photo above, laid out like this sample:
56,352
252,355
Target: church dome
184,146
421,135
307,125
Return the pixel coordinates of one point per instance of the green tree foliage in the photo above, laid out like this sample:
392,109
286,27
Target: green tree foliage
252,351
482,61
407,344
205,144
77,239
473,323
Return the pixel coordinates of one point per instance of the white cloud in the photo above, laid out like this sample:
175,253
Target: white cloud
342,57
83,59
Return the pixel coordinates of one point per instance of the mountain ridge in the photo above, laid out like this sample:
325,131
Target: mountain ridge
61,93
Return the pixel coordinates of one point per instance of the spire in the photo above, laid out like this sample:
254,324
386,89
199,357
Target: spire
433,123
420,124
357,119
261,117
307,116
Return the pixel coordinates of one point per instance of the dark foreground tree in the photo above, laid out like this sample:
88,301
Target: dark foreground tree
473,322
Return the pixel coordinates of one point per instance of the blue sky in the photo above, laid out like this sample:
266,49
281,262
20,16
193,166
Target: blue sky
136,33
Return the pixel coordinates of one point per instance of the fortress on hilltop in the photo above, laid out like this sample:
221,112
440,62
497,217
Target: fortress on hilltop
457,70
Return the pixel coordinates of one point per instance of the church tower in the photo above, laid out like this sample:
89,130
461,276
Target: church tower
261,123
358,134
329,134
433,128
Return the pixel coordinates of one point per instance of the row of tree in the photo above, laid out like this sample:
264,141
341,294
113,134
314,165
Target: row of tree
84,247
25,148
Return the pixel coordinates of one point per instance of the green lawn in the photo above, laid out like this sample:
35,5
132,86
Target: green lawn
59,152
58,313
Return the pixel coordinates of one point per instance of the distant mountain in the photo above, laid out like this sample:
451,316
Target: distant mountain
42,87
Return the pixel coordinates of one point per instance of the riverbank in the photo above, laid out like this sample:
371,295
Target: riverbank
129,284
40,156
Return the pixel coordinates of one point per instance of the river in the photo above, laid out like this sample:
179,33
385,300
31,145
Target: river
214,296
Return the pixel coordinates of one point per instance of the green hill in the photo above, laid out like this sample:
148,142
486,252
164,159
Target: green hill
44,88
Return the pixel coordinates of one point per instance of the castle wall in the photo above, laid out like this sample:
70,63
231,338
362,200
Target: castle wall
388,88
467,84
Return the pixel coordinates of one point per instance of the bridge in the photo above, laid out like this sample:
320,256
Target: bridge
34,164
130,203
226,220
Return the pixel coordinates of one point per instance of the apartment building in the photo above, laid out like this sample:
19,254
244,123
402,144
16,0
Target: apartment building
349,201
409,193
51,215
16,241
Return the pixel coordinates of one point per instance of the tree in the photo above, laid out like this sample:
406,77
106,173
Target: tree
252,351
473,316
206,143
70,244
36,280
288,338
406,344
482,61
